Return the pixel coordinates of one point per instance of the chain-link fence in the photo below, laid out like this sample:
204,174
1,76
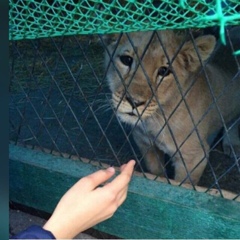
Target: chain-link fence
165,86
167,98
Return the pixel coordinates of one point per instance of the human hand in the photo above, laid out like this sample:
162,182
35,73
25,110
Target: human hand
86,204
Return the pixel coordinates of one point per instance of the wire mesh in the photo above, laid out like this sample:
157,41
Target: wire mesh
128,47
34,19
60,100
57,100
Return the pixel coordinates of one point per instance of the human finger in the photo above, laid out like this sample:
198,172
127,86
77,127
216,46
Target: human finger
122,195
93,180
130,163
123,179
123,166
122,198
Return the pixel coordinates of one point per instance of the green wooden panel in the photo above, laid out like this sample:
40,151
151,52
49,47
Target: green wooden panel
152,209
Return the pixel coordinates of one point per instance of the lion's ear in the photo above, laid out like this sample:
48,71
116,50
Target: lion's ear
110,39
202,48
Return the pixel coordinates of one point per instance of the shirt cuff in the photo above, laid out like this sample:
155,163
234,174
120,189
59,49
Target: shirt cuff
34,232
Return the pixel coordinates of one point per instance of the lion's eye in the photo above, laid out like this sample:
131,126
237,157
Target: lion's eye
126,60
164,71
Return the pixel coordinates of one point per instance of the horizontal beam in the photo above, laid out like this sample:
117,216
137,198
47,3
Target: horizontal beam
152,209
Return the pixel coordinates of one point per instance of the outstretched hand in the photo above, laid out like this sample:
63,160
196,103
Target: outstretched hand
86,203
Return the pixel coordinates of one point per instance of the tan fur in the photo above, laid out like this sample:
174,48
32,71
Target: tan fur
164,121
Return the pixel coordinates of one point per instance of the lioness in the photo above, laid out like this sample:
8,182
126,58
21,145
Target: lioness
175,93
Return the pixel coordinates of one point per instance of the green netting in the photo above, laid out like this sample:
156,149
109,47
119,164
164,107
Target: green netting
31,19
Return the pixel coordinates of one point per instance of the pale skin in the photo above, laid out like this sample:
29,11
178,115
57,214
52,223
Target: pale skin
87,203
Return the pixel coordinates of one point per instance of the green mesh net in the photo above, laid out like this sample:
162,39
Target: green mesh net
31,19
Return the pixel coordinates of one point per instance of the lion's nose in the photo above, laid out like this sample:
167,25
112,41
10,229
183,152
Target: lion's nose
133,102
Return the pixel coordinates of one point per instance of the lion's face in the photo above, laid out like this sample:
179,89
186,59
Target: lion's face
147,71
